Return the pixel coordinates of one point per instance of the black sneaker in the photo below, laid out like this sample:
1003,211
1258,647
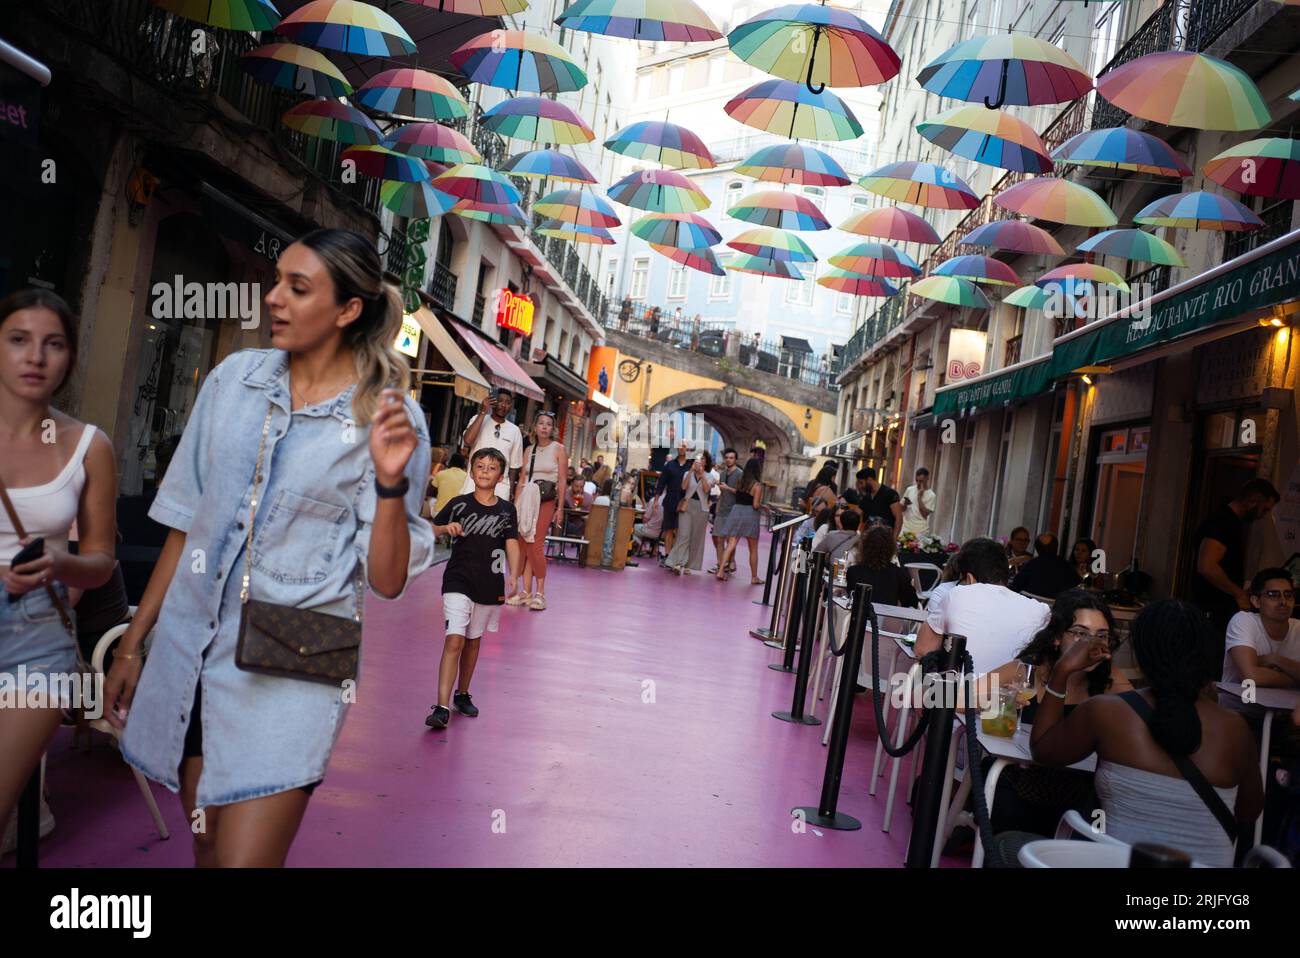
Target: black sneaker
439,717
464,705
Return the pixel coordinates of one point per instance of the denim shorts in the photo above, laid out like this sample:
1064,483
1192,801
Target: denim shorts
32,635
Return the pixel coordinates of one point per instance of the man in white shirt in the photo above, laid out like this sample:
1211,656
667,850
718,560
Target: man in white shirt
1264,645
918,504
997,622
490,429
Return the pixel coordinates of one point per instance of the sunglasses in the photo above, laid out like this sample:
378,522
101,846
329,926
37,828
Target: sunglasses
1287,594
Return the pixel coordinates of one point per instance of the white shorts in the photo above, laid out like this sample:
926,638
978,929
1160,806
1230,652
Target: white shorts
466,617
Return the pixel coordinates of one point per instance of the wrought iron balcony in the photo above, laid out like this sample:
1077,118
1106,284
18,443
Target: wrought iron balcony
442,287
480,301
1277,222
1156,35
1208,19
1149,281
395,252
1011,354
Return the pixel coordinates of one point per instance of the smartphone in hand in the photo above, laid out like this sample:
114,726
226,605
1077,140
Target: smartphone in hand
28,553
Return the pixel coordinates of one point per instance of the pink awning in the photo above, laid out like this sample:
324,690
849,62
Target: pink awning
500,367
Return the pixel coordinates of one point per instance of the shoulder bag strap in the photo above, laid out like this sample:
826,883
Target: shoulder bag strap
532,461
1213,801
59,607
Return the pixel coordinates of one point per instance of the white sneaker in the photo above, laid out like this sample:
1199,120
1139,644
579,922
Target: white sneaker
519,598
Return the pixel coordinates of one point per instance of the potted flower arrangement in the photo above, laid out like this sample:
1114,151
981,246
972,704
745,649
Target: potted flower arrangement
926,547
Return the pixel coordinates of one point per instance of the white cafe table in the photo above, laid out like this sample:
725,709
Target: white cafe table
1271,701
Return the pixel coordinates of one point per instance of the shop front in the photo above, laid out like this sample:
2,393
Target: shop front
501,371
448,386
565,393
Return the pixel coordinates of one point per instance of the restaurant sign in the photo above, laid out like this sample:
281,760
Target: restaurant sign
408,340
1019,382
1258,284
515,312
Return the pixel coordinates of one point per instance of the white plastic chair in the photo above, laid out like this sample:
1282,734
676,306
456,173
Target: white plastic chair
1063,853
916,568
1073,823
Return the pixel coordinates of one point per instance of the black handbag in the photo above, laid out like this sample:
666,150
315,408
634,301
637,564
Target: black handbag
546,487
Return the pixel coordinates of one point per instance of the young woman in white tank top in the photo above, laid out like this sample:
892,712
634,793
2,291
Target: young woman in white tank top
57,472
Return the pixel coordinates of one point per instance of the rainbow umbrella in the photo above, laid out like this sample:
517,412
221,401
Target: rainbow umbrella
979,269
547,164
508,214
252,15
414,200
332,120
764,266
703,259
921,184
1268,167
1133,244
347,26
774,244
889,222
1198,211
676,21
950,290
1179,88
1016,236
666,143
1121,149
478,8
990,137
538,119
794,163
1057,200
1076,273
517,60
578,207
855,284
417,94
876,259
295,68
575,233
780,210
385,164
469,181
681,230
1294,95
430,141
815,44
1006,69
658,191
1028,297
792,110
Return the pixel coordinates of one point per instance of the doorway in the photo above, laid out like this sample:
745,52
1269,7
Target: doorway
1120,471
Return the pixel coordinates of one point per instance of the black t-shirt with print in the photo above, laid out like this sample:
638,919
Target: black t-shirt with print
478,557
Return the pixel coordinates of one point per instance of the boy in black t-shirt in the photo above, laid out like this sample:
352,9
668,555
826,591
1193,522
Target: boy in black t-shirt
484,531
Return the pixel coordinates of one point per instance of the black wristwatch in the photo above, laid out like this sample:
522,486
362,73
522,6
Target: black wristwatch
392,492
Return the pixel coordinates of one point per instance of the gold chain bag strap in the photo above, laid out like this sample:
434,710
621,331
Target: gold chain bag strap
288,642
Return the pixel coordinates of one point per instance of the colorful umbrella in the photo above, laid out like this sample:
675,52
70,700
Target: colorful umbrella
780,210
773,244
815,44
876,259
385,164
1135,245
332,120
1122,149
1268,167
1198,211
855,284
792,110
1028,297
1057,200
950,290
430,141
414,94
478,8
414,200
794,163
681,230
295,68
676,21
1294,95
469,181
704,259
509,214
658,191
979,269
578,207
1006,69
547,164
1179,88
538,119
1074,274
666,143
990,137
1016,236
890,222
575,233
516,60
764,266
252,15
921,184
347,26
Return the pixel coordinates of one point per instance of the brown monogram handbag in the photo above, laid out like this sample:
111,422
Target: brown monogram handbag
288,642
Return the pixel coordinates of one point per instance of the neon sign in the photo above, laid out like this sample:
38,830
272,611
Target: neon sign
515,312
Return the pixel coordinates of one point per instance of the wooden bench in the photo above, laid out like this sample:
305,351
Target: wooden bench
563,541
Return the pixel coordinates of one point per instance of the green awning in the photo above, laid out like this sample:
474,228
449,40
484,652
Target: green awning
1020,381
1269,275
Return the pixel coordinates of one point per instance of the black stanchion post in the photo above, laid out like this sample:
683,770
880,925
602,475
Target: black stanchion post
29,821
925,814
811,606
773,633
825,813
773,550
793,619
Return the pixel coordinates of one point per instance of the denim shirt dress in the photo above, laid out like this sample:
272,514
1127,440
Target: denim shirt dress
261,734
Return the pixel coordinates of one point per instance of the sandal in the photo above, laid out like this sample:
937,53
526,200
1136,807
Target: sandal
519,598
753,581
538,602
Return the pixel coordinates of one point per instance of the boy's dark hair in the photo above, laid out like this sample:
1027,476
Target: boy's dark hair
850,519
866,473
607,487
923,471
984,559
493,454
730,450
587,472
1264,576
1259,487
457,461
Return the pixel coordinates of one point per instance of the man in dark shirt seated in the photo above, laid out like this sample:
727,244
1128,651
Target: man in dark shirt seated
1047,574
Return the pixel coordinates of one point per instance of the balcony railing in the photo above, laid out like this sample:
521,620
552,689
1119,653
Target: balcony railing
1011,354
480,302
442,287
1208,20
395,252
1156,35
1149,281
1277,222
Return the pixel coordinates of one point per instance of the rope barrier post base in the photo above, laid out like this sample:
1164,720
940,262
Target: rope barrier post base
798,588
810,608
29,821
925,814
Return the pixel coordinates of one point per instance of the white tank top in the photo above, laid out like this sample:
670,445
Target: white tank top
48,510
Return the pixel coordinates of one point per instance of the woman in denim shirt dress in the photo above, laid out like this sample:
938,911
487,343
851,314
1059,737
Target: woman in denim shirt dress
337,439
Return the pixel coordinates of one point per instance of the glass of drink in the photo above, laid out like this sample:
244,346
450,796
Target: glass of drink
1002,715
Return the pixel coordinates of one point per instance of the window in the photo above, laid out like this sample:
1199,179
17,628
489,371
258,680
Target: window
640,277
861,202
720,286
1058,33
844,304
611,276
677,282
697,74
676,78
734,190
717,65
1110,24
817,194
642,87
801,293
659,82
